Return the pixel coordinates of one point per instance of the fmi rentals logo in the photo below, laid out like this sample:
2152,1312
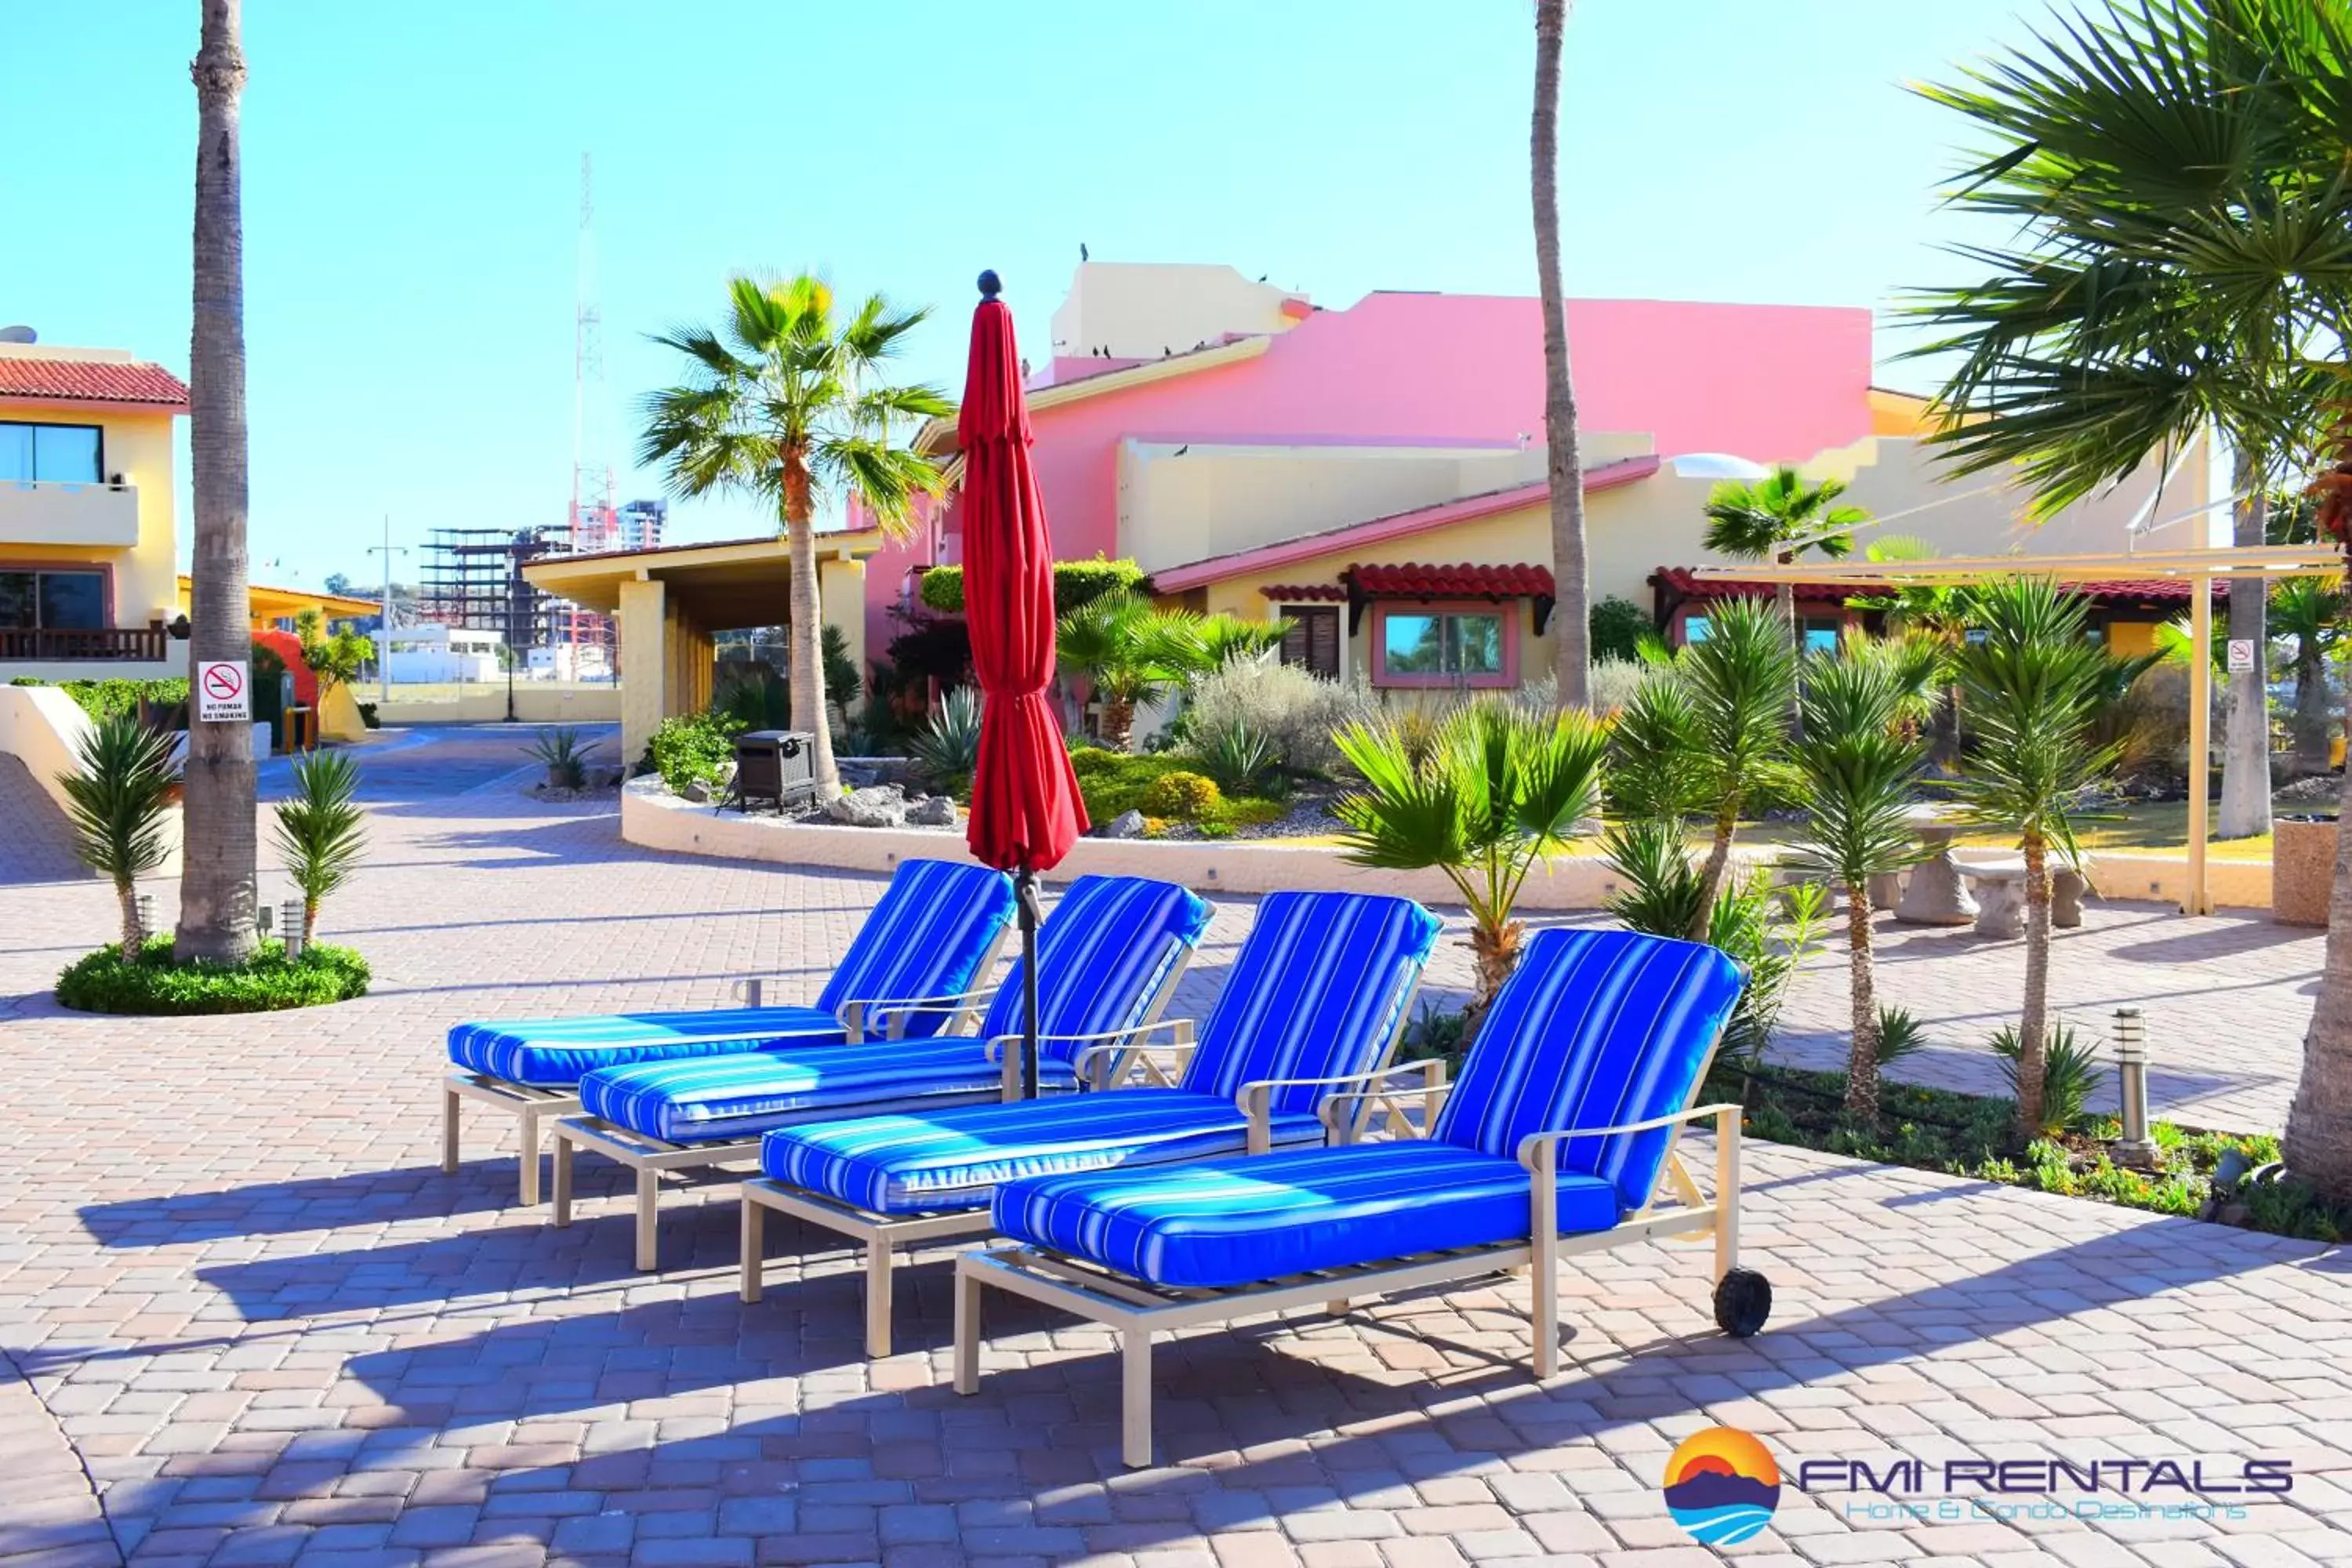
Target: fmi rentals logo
1722,1486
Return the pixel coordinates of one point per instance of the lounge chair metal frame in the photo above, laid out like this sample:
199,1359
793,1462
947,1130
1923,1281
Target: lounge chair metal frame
652,1158
1137,1311
532,1105
884,1237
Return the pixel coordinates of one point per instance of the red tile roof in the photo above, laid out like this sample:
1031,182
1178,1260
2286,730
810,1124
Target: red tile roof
90,381
1304,593
1411,580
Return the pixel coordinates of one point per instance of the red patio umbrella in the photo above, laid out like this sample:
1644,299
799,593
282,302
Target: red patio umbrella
1025,810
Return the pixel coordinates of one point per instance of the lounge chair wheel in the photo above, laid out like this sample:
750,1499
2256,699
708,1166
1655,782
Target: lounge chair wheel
1743,1300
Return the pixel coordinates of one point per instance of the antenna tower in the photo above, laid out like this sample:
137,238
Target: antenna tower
595,526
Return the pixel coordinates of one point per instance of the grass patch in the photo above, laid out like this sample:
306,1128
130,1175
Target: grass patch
1973,1135
1114,783
153,985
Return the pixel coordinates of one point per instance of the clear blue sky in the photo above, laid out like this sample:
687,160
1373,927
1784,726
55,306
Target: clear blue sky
412,185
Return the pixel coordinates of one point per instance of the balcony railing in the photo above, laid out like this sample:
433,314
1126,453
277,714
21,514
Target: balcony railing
68,511
140,644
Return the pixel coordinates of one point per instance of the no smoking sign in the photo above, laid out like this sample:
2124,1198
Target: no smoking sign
224,690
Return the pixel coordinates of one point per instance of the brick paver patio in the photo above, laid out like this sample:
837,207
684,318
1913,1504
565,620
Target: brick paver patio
272,1332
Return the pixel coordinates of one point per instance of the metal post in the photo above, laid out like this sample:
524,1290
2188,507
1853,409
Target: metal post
1025,893
2194,900
2135,1147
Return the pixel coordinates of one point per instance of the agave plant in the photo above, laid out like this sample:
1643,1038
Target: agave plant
1236,756
565,751
321,832
115,804
1501,790
947,749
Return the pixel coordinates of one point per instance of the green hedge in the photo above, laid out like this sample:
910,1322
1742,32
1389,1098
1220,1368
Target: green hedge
1075,583
155,985
105,698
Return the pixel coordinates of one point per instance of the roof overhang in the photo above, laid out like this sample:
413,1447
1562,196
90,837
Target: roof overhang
2239,561
737,582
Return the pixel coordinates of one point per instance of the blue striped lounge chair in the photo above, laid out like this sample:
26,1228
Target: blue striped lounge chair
932,935
1319,989
1555,1141
1109,957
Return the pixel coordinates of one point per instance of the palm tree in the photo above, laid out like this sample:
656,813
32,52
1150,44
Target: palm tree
1502,789
1742,679
217,855
2031,684
1778,518
2310,614
1563,455
1131,651
2175,170
1858,765
115,805
321,832
788,406
1931,616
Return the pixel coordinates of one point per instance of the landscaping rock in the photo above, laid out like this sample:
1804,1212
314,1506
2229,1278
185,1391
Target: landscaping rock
880,807
699,793
938,811
1125,824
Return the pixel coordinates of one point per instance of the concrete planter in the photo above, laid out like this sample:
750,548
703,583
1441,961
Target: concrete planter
2303,870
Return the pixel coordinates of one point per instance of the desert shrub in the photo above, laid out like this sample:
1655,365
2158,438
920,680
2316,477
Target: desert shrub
1182,795
1617,627
152,984
1295,710
693,748
1075,582
1614,681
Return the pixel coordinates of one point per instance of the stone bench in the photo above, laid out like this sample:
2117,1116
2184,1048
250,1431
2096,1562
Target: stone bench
2000,888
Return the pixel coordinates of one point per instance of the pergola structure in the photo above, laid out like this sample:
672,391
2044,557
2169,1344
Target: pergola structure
2201,568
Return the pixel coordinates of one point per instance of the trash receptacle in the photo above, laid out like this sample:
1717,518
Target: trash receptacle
2303,870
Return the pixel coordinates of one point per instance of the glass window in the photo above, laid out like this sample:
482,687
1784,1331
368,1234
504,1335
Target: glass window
1696,629
1444,644
73,601
19,600
59,452
1821,635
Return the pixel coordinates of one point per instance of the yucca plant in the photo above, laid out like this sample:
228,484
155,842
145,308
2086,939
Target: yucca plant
2069,1075
1236,756
947,749
115,805
565,751
1857,768
2031,684
321,832
1741,682
1501,789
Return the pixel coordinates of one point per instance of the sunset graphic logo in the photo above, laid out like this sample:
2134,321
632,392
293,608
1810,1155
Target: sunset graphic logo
1721,1486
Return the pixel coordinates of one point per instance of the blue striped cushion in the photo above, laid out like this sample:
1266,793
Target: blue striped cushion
935,921
1237,1222
927,936
1317,990
1103,952
1594,1028
740,1096
554,1052
955,1159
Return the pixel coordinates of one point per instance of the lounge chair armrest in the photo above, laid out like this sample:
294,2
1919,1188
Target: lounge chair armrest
1540,1144
1344,1113
1101,1065
1256,1100
916,1007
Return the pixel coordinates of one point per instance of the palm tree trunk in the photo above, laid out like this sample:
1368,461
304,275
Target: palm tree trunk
127,892
218,849
2032,1028
1784,599
2246,750
1710,874
806,631
1115,717
1563,459
1495,952
2317,1145
2311,715
1862,1065
310,921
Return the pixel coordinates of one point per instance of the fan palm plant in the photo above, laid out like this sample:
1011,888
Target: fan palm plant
1502,789
1858,765
1741,680
1131,651
2031,684
115,805
1779,518
2310,616
321,833
786,404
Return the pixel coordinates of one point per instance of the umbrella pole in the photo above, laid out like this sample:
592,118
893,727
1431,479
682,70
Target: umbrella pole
1025,894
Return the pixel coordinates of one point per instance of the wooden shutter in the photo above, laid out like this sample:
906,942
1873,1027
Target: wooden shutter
1313,639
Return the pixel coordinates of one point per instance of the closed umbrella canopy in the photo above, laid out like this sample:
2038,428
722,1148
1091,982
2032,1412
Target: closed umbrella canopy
1025,810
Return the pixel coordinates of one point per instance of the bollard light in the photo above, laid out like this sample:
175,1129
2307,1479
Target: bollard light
144,907
289,923
2135,1147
